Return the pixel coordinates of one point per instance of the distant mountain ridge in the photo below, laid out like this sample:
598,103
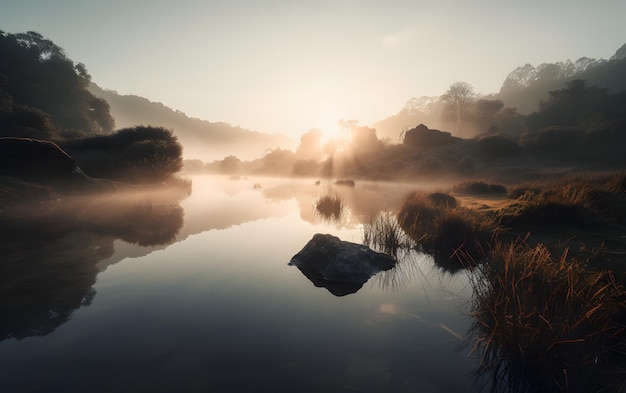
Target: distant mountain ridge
201,139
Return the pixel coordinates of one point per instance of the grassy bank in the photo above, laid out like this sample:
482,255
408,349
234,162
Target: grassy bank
542,323
547,324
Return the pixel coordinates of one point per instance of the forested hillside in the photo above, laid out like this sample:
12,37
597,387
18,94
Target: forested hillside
523,92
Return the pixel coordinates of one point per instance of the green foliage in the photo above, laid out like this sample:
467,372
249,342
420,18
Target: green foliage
25,121
139,154
35,73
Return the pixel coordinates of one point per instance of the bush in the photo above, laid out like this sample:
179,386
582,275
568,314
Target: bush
499,146
442,200
139,154
479,188
554,142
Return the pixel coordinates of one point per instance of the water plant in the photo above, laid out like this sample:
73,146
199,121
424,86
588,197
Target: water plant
383,232
329,206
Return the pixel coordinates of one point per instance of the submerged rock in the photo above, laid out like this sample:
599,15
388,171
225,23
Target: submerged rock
342,267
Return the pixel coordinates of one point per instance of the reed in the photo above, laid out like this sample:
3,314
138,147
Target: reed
329,206
545,324
383,232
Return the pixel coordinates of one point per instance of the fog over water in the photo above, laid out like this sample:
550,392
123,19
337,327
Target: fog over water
202,298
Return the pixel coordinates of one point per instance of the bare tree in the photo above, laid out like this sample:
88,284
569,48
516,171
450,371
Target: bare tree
459,96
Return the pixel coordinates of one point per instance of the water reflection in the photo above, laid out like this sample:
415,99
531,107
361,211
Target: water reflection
229,314
49,253
365,199
334,287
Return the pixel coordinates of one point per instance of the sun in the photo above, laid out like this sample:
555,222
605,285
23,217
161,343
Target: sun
330,133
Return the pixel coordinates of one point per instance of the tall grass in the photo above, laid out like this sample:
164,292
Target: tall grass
329,206
582,201
383,232
545,324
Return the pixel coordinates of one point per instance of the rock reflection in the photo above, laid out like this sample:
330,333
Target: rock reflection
336,288
49,253
402,275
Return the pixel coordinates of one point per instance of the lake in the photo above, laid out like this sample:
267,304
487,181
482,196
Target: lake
151,293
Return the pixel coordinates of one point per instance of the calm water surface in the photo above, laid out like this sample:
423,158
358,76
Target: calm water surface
199,297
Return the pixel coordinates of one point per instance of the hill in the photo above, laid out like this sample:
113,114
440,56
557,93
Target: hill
521,94
201,139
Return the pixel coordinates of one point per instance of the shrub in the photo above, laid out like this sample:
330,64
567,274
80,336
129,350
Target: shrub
479,188
139,154
500,146
442,200
554,142
345,182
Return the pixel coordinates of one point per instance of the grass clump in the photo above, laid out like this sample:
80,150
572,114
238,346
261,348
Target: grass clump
545,324
445,229
479,188
383,232
329,206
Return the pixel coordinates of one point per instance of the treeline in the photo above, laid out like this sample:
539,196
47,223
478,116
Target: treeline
521,94
578,125
44,96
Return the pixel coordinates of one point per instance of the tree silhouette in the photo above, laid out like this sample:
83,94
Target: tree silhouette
572,106
459,96
37,74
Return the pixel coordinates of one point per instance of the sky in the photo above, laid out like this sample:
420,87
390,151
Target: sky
280,66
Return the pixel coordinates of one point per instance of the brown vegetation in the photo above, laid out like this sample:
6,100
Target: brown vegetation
329,206
545,324
441,227
541,323
383,233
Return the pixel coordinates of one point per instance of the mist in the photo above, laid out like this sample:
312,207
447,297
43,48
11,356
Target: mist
437,248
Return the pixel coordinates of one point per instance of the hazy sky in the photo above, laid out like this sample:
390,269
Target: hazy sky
288,66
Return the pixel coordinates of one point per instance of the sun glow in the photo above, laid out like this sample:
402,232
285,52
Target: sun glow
335,135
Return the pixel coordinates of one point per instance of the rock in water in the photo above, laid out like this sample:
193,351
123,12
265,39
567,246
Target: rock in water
330,259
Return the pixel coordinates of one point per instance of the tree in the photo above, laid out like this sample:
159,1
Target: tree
459,96
310,145
230,165
520,77
572,106
36,73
